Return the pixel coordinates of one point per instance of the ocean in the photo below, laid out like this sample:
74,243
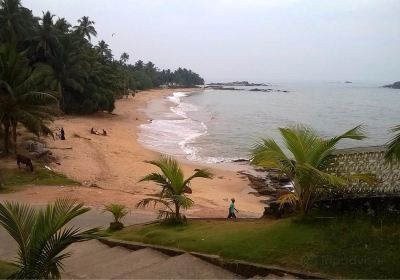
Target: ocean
213,126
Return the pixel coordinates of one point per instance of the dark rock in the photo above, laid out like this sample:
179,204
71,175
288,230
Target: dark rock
240,160
395,85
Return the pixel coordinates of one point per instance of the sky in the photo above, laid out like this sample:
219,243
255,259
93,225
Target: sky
254,40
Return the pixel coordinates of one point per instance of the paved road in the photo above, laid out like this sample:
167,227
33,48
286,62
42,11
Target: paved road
93,218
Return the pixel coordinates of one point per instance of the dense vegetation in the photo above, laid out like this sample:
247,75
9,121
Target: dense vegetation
45,61
353,246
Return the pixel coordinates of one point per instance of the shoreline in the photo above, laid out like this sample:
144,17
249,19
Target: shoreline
110,167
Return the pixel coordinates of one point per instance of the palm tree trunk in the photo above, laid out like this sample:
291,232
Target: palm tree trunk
6,137
14,132
177,209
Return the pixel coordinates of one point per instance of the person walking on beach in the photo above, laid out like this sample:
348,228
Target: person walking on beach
62,132
232,209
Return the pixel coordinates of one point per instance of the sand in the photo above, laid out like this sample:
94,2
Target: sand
109,167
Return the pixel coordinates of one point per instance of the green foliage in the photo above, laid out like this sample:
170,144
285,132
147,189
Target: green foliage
173,188
86,76
21,101
309,155
349,247
13,177
118,211
393,152
43,235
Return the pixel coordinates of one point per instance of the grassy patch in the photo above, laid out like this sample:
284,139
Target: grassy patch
6,269
343,247
12,178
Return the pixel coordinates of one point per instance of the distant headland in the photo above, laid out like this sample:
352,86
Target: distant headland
395,85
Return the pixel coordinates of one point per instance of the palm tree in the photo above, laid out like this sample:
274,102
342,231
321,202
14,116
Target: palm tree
19,101
85,27
67,72
43,235
46,38
303,160
104,50
393,152
124,57
173,187
118,211
16,21
62,25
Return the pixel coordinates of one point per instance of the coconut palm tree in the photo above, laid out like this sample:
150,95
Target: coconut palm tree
86,27
393,152
19,101
16,21
304,159
46,38
104,50
42,235
62,25
174,187
124,58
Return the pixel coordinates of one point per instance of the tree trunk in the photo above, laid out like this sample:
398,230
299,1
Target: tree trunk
6,137
14,132
177,213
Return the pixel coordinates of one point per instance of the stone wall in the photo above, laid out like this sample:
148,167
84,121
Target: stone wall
370,160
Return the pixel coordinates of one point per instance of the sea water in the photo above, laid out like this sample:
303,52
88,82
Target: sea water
214,126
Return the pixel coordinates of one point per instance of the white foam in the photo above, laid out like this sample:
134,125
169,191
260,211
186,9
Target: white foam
174,136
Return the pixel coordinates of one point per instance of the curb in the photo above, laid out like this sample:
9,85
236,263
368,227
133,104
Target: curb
243,268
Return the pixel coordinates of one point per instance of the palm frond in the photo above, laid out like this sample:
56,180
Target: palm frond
290,199
393,151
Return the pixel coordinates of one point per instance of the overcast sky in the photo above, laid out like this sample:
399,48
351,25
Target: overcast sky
255,40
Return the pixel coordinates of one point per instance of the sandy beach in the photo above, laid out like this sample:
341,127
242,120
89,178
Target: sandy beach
109,167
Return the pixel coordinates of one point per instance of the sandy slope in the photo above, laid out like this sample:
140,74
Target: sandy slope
115,163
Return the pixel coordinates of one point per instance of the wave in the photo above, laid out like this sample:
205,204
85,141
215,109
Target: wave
175,136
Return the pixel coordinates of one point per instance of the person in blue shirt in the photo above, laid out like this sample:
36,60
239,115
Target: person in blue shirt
232,209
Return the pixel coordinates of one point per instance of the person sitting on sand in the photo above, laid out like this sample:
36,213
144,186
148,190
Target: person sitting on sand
232,209
104,133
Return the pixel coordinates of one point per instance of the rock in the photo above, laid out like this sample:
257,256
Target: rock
240,160
93,185
395,85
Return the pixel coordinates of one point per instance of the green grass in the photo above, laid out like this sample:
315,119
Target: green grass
6,269
341,247
13,178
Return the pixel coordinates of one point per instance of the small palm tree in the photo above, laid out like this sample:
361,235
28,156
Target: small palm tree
43,235
393,152
173,188
118,211
307,157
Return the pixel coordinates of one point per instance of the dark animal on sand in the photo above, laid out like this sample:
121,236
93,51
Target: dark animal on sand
25,160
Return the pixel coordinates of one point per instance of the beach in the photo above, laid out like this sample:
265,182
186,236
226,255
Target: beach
109,167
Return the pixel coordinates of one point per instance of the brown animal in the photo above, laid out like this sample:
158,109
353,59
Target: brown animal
25,160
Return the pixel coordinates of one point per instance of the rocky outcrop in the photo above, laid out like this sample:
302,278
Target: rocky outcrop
242,83
395,85
267,182
38,150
